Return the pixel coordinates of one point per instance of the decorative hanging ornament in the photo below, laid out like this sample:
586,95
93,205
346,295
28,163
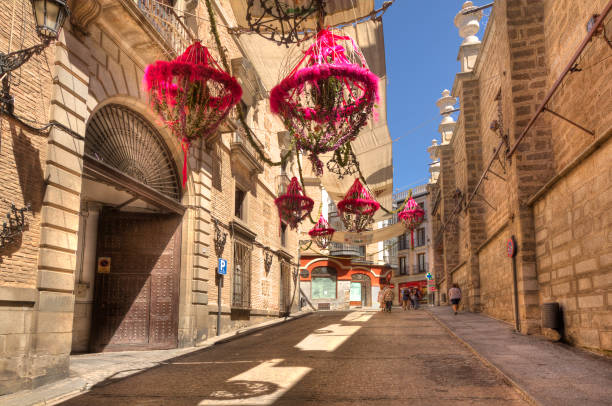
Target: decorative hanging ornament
411,216
322,233
191,94
293,206
327,97
357,208
343,163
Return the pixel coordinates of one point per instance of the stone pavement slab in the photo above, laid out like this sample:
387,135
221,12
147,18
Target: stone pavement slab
549,373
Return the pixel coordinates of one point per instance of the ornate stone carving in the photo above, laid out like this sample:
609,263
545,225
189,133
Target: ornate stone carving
83,13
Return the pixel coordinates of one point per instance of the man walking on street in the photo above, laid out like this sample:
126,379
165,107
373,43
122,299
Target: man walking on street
388,298
454,295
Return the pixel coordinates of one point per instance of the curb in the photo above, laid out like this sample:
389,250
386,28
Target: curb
524,394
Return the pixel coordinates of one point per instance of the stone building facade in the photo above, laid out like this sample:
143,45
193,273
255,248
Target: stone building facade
413,260
549,191
118,255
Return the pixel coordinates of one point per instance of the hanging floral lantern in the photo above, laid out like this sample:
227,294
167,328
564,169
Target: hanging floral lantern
293,206
343,163
191,94
327,97
411,216
357,208
322,233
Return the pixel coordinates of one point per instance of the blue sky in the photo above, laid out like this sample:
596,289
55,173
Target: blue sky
421,46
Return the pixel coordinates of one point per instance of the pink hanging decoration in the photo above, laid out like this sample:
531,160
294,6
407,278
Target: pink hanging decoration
293,206
357,209
322,233
327,98
412,216
191,94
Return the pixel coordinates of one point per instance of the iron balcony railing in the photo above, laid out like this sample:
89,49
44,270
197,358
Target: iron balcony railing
416,191
416,269
167,23
338,249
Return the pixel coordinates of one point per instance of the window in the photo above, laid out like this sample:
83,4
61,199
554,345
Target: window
402,242
362,251
283,234
323,283
420,237
421,262
241,293
239,203
403,270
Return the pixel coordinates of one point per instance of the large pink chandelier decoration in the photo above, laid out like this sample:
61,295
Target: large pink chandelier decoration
322,233
191,94
411,216
357,209
293,206
327,97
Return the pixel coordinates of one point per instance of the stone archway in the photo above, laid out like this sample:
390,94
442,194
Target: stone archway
131,193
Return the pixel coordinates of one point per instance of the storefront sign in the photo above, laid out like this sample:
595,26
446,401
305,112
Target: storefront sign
104,264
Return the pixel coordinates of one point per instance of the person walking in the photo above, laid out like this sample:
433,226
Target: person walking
454,294
405,298
413,304
417,298
381,294
388,298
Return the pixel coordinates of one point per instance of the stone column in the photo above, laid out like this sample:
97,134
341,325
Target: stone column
446,104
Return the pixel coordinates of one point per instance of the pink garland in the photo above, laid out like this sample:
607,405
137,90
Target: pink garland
191,94
411,216
293,206
321,124
322,233
357,209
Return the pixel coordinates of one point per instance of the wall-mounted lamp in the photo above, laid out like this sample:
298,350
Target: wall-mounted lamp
49,16
15,225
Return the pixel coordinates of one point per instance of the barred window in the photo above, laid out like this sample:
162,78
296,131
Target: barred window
241,293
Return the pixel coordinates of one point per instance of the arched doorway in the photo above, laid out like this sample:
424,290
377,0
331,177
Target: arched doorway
361,290
130,247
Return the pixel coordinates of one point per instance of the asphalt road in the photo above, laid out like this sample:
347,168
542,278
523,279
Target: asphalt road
328,358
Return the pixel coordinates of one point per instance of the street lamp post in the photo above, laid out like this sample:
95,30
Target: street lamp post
49,16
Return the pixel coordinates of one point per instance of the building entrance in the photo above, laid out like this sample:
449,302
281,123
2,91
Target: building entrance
127,288
360,291
136,295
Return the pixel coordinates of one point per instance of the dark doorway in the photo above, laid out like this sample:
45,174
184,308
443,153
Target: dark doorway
137,282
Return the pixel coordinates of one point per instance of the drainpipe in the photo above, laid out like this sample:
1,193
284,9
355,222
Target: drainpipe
517,321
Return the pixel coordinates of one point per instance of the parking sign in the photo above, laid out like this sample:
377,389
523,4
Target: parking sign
222,268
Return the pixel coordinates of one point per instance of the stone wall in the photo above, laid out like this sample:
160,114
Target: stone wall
552,194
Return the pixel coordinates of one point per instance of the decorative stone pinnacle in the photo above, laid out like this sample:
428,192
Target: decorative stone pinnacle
468,24
446,103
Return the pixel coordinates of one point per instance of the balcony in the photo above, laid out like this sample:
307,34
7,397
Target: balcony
167,23
245,153
344,250
417,270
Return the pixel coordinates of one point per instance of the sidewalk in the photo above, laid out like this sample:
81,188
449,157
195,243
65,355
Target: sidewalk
87,370
547,373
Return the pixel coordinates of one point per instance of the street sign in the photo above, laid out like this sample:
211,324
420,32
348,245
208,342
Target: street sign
511,247
222,268
429,275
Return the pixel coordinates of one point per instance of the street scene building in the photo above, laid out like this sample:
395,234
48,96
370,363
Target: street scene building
520,181
198,203
413,249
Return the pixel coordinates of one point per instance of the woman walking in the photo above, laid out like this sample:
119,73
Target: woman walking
405,298
454,294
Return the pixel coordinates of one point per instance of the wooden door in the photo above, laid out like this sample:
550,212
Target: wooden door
136,302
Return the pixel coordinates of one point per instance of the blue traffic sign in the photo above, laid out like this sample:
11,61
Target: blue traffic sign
222,268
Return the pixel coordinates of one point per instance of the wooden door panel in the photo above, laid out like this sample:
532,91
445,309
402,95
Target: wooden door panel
136,304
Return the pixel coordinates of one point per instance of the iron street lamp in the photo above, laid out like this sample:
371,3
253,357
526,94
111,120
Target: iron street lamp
49,16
